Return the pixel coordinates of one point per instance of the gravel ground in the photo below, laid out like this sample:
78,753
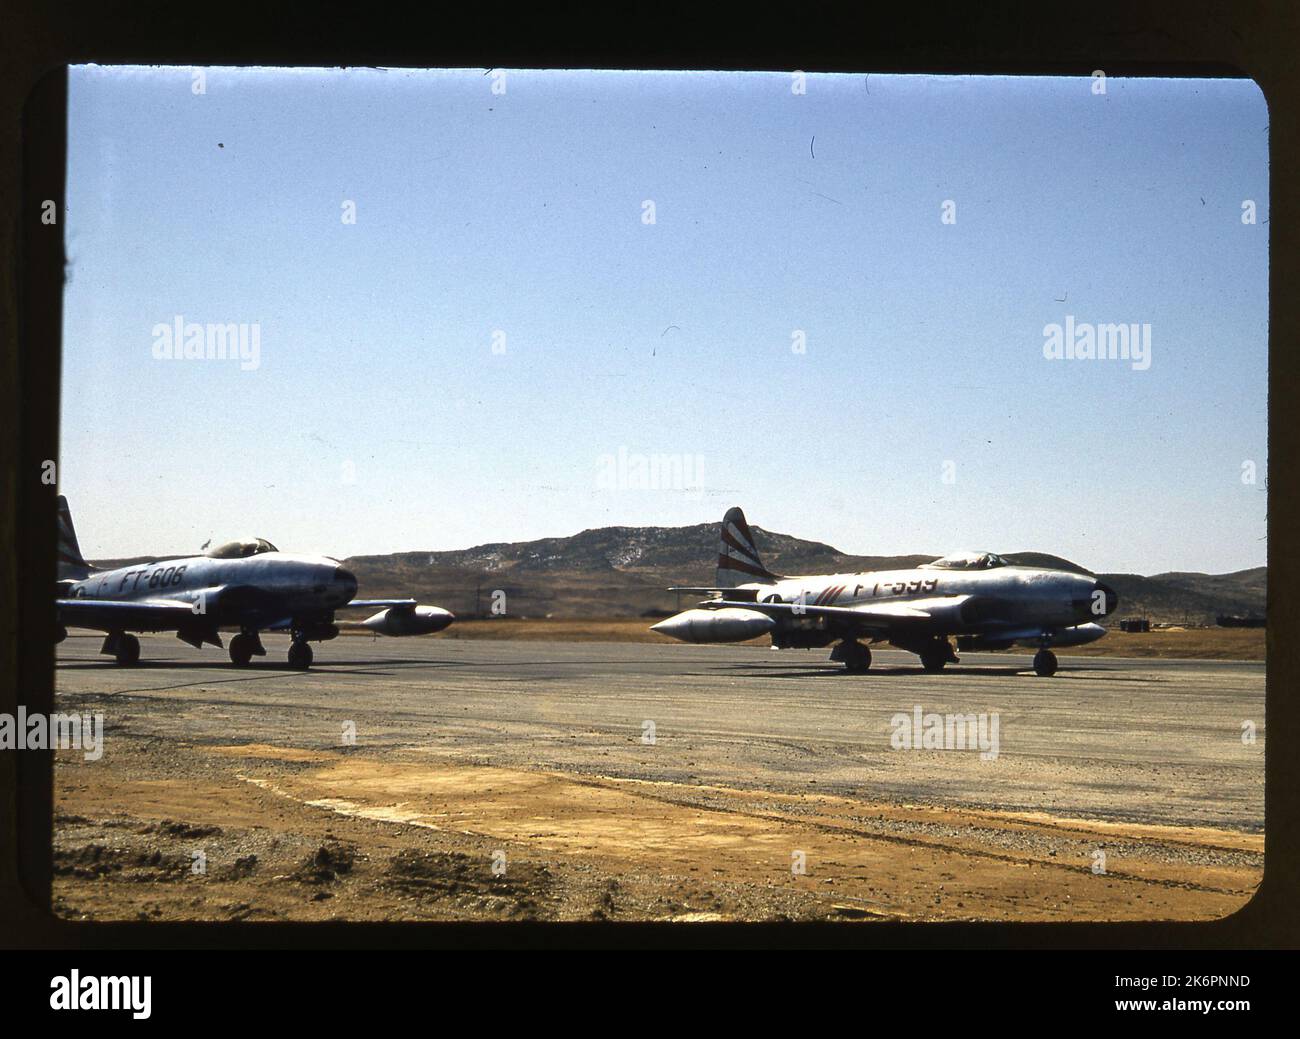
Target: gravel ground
446,780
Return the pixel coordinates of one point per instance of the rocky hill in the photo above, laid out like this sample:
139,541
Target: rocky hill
624,571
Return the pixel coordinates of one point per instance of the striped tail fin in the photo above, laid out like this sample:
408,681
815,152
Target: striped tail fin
72,567
738,561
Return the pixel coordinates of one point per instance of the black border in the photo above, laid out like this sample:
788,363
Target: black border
1140,38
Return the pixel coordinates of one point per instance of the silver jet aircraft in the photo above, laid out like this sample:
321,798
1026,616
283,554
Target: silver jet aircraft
983,600
249,584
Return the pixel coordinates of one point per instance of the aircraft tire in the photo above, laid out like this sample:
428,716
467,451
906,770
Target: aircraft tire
241,650
300,655
1045,663
859,660
128,650
933,659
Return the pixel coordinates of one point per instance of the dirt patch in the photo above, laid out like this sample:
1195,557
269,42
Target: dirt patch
384,836
99,861
470,885
326,864
393,836
184,831
267,752
242,867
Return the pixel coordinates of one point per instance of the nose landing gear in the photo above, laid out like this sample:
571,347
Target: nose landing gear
1045,663
300,654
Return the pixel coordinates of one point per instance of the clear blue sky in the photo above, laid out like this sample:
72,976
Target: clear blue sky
379,418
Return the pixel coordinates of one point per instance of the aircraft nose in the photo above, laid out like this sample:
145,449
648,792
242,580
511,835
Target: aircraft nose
1108,602
343,586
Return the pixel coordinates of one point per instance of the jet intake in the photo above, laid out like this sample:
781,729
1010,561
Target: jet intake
731,624
409,620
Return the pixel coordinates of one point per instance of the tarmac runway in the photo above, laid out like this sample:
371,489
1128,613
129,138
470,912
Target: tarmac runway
562,749
1149,740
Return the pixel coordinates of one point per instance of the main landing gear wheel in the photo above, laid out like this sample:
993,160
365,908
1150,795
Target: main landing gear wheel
933,658
855,657
1045,663
241,650
300,655
128,650
936,654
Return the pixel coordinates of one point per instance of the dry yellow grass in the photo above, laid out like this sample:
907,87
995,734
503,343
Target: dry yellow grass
1198,643
1193,643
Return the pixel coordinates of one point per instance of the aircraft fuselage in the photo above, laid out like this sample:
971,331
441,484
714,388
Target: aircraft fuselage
258,590
1009,596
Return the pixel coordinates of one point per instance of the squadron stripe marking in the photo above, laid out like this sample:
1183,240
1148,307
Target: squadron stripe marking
743,549
728,563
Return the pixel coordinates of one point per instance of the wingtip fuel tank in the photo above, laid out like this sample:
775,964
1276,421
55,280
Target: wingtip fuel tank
415,620
727,625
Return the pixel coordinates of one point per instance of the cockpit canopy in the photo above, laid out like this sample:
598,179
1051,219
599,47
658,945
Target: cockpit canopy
241,549
967,561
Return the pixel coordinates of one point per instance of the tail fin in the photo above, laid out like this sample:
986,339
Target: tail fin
738,561
72,567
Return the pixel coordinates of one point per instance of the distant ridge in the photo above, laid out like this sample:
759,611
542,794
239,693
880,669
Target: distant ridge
624,571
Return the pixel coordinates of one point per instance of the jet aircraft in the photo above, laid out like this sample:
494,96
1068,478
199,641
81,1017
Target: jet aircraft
247,584
983,600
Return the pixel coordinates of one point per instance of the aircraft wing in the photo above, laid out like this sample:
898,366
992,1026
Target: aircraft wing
286,623
1071,635
137,615
748,594
866,616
